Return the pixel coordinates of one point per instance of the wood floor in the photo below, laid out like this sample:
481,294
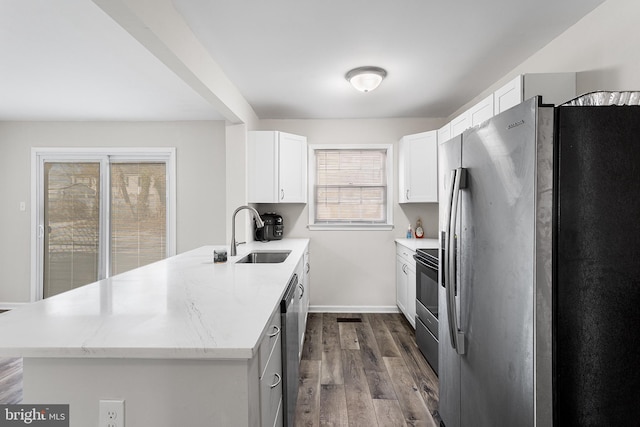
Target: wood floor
356,370
364,370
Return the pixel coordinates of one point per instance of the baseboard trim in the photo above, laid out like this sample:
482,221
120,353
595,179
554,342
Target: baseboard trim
12,305
353,309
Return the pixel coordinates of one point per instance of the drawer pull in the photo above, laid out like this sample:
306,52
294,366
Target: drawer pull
277,382
277,331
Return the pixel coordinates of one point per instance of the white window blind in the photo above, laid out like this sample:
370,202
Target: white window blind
350,186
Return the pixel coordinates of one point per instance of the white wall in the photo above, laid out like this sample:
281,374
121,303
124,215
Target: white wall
603,49
354,268
201,183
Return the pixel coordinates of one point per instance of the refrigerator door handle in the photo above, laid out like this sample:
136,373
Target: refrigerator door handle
459,181
445,261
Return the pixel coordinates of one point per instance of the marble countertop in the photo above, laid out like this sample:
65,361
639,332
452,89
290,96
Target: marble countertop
184,307
414,244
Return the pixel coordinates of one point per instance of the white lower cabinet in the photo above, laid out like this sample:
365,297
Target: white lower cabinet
406,282
304,300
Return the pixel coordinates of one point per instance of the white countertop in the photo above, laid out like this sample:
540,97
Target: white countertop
184,307
414,244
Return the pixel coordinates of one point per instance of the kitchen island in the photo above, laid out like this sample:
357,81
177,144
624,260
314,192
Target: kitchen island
179,340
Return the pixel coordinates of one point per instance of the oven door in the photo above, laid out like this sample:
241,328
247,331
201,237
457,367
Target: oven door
427,285
427,310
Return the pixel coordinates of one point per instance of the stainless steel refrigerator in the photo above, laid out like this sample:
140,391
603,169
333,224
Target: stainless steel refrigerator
540,269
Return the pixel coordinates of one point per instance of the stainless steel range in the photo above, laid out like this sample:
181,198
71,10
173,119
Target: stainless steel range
427,304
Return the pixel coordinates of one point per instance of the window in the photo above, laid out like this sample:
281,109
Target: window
99,213
351,186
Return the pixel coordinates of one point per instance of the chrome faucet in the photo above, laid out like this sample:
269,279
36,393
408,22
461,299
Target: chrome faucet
259,224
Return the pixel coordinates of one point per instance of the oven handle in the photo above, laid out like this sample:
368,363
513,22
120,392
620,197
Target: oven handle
458,181
425,264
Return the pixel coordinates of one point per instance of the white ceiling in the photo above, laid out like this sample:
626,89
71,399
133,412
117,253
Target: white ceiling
68,60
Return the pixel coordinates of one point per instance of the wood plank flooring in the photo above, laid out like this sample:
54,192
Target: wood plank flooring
364,370
356,370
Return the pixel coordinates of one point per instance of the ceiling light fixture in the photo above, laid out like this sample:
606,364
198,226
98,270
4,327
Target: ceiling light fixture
366,79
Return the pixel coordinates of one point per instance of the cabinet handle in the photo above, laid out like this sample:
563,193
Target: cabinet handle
277,331
407,197
282,194
302,289
404,268
277,382
308,268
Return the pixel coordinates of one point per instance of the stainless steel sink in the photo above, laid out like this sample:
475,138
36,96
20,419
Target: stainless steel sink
262,257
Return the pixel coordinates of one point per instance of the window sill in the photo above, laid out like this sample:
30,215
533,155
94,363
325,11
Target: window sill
350,227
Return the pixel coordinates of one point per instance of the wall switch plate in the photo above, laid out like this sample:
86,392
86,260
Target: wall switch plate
111,413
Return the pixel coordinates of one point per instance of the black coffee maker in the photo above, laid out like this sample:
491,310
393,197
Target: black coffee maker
273,227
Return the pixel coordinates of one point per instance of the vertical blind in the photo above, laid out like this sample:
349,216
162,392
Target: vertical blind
350,186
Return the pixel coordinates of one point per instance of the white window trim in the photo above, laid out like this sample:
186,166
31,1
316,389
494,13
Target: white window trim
312,181
38,154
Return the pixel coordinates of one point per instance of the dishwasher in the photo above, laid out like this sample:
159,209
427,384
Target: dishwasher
289,309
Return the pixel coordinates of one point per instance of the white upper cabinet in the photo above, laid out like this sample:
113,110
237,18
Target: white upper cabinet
482,111
460,124
276,167
444,133
555,88
508,95
293,168
418,168
475,115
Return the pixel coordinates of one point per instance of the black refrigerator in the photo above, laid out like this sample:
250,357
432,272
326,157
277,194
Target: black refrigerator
540,283
597,266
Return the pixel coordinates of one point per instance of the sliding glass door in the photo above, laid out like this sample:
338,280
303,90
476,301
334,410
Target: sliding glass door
138,215
72,225
100,215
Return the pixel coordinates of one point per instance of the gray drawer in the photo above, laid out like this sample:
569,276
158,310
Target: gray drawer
429,320
269,339
271,388
428,344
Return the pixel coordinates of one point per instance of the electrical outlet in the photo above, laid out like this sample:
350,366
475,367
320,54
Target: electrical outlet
111,413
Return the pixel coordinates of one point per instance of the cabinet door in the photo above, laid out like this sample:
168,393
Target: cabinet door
508,96
401,284
411,294
444,133
418,168
482,111
271,387
460,124
293,169
304,303
424,168
262,167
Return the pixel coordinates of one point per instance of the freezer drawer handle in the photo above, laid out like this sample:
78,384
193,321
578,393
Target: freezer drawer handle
458,182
